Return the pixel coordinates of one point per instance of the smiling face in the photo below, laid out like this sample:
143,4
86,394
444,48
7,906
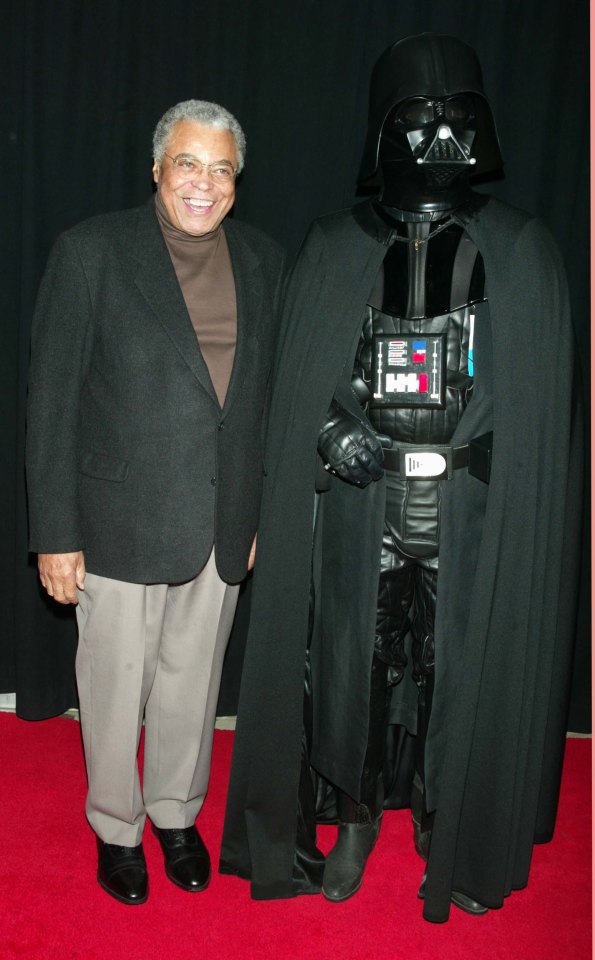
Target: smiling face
196,206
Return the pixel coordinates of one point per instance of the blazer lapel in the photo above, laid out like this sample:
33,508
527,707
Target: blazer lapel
157,281
245,264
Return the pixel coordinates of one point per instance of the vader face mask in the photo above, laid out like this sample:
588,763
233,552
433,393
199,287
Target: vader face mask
439,130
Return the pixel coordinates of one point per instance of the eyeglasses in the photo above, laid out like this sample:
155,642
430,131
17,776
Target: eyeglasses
189,167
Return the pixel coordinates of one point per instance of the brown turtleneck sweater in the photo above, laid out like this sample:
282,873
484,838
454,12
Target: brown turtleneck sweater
203,269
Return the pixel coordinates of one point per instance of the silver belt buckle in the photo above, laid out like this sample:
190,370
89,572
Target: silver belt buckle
434,464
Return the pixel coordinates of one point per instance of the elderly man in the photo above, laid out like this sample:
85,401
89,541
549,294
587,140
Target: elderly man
151,350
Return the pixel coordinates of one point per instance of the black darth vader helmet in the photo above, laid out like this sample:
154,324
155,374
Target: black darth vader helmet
427,106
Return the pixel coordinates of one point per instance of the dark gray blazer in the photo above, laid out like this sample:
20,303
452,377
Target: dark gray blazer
129,454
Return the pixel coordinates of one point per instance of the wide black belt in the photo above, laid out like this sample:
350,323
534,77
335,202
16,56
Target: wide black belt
412,461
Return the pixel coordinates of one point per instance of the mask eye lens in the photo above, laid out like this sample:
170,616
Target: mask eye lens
416,113
458,109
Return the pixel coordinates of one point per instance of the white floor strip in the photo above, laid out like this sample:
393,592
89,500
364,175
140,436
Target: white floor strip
8,705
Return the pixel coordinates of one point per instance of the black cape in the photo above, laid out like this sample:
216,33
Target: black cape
504,617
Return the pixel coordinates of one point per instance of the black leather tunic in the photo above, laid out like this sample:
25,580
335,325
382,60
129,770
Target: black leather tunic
429,291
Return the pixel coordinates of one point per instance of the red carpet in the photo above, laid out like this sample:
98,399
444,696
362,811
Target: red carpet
51,907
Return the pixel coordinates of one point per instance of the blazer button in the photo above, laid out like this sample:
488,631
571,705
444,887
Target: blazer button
213,481
220,426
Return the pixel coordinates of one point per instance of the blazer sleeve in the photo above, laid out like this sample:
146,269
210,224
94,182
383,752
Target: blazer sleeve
60,347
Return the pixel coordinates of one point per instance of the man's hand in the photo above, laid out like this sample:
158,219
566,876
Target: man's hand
61,574
252,556
350,448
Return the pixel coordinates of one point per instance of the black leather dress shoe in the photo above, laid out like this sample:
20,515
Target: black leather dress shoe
187,861
122,872
460,900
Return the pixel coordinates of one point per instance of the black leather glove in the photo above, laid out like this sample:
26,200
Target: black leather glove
349,447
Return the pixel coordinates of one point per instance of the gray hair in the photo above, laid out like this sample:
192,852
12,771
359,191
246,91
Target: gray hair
203,112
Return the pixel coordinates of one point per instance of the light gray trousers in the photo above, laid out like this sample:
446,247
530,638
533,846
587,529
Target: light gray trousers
154,650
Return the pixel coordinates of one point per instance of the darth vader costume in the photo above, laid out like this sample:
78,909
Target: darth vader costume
432,322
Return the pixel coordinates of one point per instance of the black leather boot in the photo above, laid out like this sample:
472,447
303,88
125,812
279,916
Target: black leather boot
460,900
345,864
359,822
422,820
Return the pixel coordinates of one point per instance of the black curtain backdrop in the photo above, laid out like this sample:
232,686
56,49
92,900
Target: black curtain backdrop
83,84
